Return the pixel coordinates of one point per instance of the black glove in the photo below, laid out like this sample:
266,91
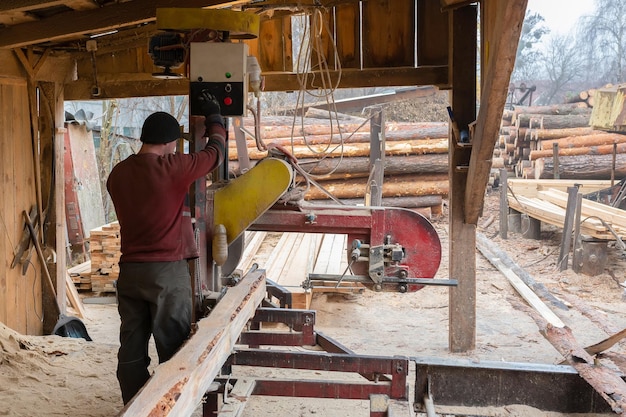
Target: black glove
209,105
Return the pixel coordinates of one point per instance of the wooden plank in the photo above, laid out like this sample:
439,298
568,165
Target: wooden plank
59,218
276,261
612,215
294,271
530,188
74,299
522,289
348,35
254,240
331,252
432,50
273,54
551,213
389,40
6,208
323,47
503,46
177,386
462,247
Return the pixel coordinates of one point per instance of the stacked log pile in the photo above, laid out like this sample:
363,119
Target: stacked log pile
530,136
416,158
535,138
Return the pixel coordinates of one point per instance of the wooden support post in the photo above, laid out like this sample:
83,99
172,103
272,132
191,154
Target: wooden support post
504,204
178,385
568,224
374,197
462,245
555,157
499,49
577,250
59,218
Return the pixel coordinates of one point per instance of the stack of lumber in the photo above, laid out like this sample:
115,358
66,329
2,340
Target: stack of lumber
336,154
290,257
81,276
546,200
104,250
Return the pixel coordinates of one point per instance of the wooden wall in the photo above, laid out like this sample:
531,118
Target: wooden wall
20,295
377,43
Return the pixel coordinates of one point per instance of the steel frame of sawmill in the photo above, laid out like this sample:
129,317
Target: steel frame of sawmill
445,382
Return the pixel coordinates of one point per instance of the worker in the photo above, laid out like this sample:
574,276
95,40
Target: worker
148,191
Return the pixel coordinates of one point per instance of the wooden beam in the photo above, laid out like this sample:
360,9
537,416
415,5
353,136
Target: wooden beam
516,281
503,46
145,85
60,221
71,24
177,386
27,5
355,78
462,318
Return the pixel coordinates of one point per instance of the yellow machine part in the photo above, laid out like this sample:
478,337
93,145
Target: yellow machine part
241,201
242,25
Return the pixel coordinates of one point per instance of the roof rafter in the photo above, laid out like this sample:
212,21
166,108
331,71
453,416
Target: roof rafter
90,21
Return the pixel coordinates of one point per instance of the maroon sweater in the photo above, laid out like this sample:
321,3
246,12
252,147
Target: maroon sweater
148,192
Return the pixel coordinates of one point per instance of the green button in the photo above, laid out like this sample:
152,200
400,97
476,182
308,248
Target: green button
228,75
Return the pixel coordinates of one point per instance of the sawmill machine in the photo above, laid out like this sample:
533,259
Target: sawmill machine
389,249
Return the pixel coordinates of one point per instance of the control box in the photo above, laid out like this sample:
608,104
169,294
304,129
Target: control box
219,68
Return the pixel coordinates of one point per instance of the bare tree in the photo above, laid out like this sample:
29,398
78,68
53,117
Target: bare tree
602,39
563,65
528,54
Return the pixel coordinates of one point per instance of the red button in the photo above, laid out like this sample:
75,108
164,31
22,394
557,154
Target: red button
228,101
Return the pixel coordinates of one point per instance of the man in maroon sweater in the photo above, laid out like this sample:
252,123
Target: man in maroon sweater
154,286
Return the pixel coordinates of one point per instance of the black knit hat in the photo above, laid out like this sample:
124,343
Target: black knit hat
160,127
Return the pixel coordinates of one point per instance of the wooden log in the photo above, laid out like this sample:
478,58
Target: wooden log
556,109
394,165
548,121
404,185
336,138
177,386
590,167
402,202
501,260
604,380
287,128
580,97
541,134
507,114
601,138
413,147
589,150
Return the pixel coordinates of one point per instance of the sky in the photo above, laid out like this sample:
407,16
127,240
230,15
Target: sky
561,15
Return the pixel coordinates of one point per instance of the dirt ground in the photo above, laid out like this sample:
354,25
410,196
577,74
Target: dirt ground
53,376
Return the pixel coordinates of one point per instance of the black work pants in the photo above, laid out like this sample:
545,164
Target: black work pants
153,298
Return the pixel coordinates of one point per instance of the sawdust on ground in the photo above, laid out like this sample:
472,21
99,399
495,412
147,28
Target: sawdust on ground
54,376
